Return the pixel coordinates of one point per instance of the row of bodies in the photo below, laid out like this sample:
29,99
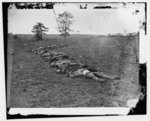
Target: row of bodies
69,66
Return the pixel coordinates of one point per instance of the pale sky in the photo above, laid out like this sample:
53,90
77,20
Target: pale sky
86,21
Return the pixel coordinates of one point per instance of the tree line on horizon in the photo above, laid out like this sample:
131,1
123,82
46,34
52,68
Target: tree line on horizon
64,22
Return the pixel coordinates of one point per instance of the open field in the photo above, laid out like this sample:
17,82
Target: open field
34,84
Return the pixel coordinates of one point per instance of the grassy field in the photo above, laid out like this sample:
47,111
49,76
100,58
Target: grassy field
34,84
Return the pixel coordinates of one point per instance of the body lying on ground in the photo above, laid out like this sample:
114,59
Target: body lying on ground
41,50
73,69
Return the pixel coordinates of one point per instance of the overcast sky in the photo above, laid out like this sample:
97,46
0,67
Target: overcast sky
119,19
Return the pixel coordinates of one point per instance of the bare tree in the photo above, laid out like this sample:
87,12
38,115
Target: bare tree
65,20
39,29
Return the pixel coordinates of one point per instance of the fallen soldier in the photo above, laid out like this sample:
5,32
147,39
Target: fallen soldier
62,63
41,50
73,69
52,53
97,76
55,58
